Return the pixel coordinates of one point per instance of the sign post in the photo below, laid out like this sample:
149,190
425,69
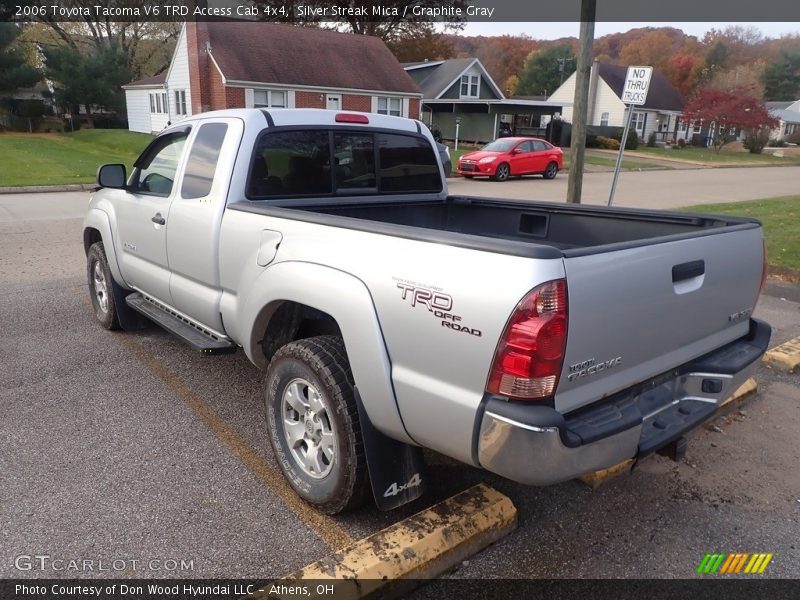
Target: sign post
634,93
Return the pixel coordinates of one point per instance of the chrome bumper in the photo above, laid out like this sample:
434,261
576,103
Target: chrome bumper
535,445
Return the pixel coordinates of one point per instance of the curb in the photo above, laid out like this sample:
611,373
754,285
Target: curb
420,547
43,189
785,357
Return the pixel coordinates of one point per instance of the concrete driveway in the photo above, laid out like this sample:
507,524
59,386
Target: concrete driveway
646,189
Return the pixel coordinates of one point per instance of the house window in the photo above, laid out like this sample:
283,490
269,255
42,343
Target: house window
470,85
637,122
390,106
604,119
269,99
180,102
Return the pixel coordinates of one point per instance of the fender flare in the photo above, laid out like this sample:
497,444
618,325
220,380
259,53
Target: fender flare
348,300
98,219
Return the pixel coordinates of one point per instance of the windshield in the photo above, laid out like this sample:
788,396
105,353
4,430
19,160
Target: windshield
499,146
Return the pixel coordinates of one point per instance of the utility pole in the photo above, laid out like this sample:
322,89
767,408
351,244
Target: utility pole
580,104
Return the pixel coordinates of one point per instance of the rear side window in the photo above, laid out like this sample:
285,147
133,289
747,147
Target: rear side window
407,164
203,160
291,163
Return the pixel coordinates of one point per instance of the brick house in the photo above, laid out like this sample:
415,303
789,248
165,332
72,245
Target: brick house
254,64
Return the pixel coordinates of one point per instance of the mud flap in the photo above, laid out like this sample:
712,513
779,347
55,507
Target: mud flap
396,470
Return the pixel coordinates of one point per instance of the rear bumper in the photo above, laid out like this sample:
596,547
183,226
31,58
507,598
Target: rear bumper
537,445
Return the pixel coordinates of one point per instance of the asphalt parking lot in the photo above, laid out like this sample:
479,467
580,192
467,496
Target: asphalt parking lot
132,448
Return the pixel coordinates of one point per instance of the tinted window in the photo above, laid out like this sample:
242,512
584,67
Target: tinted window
291,163
407,164
203,159
354,157
156,168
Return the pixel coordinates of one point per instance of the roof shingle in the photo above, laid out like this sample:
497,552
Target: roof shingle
305,56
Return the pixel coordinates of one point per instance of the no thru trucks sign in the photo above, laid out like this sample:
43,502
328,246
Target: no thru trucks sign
636,84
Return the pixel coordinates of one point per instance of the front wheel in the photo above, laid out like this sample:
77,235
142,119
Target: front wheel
313,424
502,172
101,287
551,171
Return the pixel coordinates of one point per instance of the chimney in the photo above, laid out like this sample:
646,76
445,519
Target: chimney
197,43
594,75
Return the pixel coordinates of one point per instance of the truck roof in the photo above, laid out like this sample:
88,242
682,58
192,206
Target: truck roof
306,116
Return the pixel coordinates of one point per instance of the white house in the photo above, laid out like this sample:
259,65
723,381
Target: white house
788,115
248,64
660,114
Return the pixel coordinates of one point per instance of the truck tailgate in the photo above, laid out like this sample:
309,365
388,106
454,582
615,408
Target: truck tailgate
636,312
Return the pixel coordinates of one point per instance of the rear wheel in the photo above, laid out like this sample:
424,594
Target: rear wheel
551,171
502,172
313,423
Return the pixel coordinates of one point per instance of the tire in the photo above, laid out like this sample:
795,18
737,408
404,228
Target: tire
551,171
101,290
312,420
502,172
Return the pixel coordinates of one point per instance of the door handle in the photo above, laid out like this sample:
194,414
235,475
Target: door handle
158,219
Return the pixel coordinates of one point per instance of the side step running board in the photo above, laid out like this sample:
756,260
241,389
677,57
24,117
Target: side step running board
205,342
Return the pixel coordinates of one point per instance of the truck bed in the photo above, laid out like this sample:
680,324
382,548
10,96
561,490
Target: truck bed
574,230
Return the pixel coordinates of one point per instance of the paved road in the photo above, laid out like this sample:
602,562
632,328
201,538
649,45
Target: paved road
647,189
131,447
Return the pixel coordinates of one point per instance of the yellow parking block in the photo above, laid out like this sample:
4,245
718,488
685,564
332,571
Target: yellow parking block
419,547
785,357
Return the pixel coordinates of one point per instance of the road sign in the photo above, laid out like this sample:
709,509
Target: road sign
636,85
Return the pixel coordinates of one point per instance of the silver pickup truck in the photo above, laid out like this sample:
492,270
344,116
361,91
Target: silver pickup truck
539,341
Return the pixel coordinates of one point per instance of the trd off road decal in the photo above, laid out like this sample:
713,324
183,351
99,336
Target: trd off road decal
438,303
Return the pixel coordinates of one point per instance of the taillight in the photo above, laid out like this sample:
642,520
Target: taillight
530,354
351,118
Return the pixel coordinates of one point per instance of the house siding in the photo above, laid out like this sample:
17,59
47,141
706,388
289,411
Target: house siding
178,78
138,103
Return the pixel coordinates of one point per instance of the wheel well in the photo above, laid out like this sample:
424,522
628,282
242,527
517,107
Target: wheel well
293,321
90,236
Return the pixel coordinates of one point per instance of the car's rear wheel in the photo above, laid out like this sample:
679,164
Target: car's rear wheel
502,172
551,171
313,423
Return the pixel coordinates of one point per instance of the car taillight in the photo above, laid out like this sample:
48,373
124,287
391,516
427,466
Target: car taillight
351,118
530,355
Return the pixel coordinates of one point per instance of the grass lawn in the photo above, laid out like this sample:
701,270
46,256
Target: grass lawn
726,156
781,220
54,158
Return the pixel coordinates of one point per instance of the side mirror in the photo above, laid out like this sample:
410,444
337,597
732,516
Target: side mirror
111,176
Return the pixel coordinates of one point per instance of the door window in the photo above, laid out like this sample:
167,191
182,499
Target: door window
157,166
203,158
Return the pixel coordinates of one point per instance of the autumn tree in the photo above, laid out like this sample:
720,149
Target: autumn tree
727,112
782,78
545,70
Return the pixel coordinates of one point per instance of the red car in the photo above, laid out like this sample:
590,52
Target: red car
510,157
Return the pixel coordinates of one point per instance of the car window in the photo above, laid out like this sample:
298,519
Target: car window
156,168
407,164
354,157
202,162
291,163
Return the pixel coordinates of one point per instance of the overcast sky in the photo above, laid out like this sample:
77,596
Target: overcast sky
552,31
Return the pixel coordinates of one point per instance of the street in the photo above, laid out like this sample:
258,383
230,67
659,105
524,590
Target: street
665,189
132,447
